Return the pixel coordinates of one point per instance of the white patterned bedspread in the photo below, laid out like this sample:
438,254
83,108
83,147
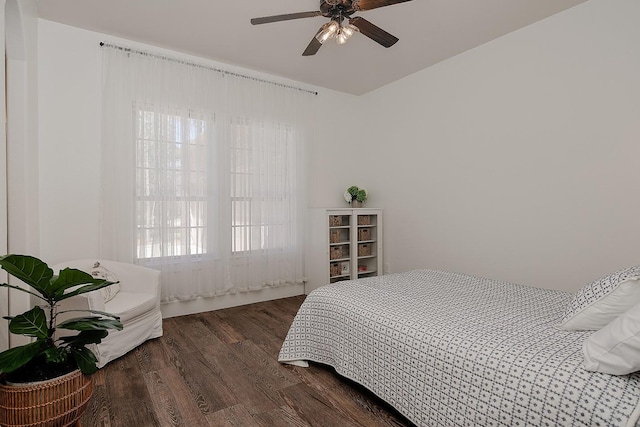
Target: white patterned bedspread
449,349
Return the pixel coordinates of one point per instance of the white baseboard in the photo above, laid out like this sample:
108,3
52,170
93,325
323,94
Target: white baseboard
181,308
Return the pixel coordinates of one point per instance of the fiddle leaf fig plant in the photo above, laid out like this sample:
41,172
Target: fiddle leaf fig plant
47,353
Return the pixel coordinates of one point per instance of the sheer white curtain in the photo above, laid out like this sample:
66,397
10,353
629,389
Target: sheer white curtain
202,174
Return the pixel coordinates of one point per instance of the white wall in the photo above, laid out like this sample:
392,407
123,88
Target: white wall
21,233
69,102
338,143
4,292
518,159
22,130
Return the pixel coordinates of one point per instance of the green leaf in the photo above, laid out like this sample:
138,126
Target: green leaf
55,355
85,337
101,313
90,323
33,323
94,285
71,277
6,285
30,270
12,359
85,359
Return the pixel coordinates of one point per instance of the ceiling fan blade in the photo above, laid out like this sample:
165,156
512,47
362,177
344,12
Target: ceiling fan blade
313,47
375,33
315,44
285,17
373,4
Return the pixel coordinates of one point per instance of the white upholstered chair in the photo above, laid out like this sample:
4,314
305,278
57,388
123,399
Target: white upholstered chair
137,302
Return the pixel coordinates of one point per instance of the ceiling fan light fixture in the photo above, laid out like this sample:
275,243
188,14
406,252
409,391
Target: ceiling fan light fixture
345,32
327,31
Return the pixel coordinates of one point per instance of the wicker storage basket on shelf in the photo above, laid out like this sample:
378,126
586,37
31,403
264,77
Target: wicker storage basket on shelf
364,249
57,402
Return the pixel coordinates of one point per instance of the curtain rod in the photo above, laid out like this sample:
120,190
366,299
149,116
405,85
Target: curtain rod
194,64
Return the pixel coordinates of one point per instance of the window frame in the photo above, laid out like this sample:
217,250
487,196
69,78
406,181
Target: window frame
141,198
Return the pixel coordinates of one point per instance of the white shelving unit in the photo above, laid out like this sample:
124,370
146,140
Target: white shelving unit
343,244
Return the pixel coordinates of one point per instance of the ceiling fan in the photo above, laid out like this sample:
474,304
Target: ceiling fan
337,11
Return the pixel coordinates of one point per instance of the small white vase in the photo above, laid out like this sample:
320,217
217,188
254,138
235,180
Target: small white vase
356,204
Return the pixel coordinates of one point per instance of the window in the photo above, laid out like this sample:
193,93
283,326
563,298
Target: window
261,166
173,170
171,184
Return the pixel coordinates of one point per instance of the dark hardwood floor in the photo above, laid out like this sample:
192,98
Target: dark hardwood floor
220,369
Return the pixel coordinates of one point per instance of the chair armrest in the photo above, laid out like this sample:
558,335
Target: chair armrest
132,278
89,301
135,278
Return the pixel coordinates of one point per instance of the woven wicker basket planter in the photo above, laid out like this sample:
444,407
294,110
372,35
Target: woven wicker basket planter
57,402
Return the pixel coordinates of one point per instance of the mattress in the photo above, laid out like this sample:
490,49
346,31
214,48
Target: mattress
450,349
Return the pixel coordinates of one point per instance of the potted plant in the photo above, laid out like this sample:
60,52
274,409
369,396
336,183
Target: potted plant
355,196
46,382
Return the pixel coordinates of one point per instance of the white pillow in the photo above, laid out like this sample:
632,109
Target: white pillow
615,349
597,304
99,272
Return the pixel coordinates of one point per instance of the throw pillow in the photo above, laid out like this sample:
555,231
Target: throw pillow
100,272
615,349
599,302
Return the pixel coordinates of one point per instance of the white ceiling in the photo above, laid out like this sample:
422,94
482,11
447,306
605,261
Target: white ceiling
429,32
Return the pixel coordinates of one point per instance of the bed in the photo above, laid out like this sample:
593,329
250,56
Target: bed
447,349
